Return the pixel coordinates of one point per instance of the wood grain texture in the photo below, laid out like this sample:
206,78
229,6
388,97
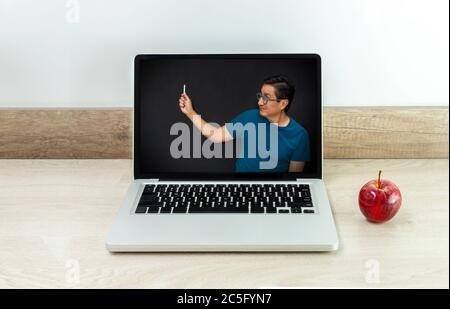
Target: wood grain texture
386,132
60,225
65,133
349,132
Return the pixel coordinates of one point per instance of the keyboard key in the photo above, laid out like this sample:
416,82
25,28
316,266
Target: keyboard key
241,209
141,210
153,210
271,210
179,210
165,210
294,204
296,210
218,210
149,189
194,210
155,205
283,211
148,199
308,211
257,209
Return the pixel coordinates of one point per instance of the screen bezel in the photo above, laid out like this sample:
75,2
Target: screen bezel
138,174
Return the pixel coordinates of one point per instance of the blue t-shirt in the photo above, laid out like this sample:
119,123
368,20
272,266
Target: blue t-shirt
292,142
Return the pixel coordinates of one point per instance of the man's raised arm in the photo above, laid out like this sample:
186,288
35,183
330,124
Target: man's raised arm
214,134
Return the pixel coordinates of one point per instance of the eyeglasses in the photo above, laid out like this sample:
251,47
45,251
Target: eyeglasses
265,98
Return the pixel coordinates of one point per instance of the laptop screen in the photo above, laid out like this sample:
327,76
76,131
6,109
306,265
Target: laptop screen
227,116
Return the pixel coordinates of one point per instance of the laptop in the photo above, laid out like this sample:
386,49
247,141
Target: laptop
227,156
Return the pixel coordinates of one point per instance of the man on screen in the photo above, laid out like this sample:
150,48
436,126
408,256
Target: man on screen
274,100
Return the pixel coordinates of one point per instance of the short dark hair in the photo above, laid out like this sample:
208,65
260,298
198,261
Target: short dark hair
284,89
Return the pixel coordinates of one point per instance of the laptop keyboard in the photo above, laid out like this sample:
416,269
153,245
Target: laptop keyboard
226,198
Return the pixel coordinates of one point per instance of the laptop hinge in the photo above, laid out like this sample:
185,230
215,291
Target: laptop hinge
152,180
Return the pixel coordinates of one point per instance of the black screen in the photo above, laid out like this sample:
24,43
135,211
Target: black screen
220,87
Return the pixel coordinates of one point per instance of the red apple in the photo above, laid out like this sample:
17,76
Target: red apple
379,199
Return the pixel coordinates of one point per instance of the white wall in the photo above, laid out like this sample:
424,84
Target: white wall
375,52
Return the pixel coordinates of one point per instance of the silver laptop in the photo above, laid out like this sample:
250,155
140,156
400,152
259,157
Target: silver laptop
227,156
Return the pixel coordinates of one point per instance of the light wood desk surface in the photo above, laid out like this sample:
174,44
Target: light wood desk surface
55,215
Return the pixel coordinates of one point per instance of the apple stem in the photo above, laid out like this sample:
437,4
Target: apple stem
379,180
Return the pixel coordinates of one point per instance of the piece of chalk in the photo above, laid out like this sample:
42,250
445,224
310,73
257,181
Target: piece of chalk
184,88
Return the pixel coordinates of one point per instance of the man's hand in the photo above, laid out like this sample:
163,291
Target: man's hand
216,135
186,105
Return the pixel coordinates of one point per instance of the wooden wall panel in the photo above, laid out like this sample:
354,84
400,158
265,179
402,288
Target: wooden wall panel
65,133
386,132
349,132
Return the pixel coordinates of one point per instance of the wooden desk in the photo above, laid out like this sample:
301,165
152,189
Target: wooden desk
55,214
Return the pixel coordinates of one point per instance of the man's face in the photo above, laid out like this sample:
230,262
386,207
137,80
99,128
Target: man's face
272,108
